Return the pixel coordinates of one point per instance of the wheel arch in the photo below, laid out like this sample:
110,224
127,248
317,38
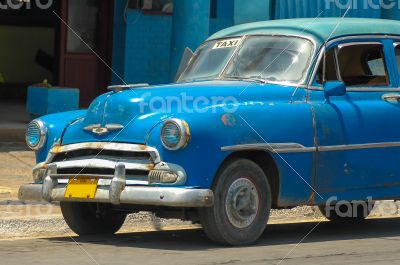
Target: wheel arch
266,162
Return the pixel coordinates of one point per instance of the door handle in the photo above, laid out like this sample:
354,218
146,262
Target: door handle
391,97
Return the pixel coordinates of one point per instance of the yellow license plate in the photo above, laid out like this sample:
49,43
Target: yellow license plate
81,188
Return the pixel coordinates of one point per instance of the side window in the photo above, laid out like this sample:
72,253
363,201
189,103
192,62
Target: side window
363,65
356,65
397,52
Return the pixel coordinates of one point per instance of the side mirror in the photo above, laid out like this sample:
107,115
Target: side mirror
334,88
187,55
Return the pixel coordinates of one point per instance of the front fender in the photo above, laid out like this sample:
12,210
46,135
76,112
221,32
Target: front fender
56,124
252,123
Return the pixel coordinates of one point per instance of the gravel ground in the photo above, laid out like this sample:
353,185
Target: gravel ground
46,220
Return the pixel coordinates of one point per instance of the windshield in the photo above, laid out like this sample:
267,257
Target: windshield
269,58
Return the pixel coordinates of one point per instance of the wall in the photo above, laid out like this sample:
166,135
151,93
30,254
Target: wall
119,39
392,10
18,48
141,46
147,48
224,18
324,8
252,10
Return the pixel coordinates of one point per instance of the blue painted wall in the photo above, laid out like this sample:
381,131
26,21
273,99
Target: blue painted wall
142,45
190,27
224,18
325,8
148,48
252,10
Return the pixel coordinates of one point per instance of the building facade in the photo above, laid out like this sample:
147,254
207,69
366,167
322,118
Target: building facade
151,35
90,44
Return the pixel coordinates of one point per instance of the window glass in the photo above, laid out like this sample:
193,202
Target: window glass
82,17
397,51
363,65
209,60
272,58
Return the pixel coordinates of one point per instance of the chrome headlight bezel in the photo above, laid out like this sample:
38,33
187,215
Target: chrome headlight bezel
184,132
43,133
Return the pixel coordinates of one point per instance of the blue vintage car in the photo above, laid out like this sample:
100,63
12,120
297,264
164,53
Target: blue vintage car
266,115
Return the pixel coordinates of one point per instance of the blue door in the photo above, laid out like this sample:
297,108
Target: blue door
358,134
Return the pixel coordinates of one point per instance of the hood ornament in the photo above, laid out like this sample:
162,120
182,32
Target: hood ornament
100,130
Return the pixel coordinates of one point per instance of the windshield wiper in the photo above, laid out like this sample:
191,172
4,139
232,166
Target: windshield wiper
249,78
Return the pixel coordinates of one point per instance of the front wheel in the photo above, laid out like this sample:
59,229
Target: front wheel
242,204
92,218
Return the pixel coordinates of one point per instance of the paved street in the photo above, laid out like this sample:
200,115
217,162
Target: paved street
376,242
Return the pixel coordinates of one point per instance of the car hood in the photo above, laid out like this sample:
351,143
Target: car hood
131,114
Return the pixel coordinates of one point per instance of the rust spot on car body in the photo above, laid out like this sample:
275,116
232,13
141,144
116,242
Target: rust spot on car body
228,120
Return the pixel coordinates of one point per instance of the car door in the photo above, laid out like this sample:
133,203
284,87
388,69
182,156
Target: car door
358,134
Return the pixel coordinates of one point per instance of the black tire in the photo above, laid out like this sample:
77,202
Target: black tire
346,212
92,218
215,221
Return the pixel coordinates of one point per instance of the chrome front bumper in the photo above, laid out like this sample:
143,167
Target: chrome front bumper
157,196
116,188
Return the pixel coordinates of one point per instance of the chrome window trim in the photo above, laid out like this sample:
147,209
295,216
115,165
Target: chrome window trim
347,44
310,85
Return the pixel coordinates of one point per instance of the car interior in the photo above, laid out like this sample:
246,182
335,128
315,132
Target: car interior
355,65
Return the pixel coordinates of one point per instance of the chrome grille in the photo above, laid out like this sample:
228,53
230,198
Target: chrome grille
99,159
117,154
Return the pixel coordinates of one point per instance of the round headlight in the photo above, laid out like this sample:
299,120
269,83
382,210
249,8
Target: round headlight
175,134
36,134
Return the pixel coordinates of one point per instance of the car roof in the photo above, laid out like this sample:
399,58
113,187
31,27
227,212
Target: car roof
317,29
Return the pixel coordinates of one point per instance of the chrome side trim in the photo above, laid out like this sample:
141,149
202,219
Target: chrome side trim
275,148
298,148
357,146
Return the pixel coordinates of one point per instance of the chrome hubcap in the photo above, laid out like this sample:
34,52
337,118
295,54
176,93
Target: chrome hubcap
242,203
